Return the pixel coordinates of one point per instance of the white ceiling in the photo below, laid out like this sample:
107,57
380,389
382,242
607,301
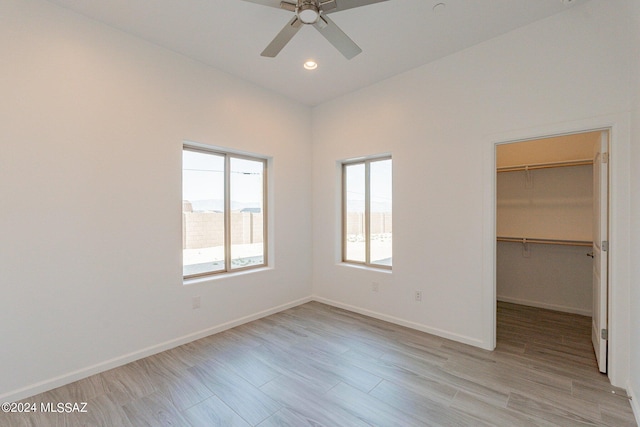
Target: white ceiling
395,36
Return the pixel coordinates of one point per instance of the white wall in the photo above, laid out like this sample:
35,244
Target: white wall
555,277
555,203
90,181
440,122
634,383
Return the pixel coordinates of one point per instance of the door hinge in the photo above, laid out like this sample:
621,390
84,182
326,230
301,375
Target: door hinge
604,334
605,245
605,157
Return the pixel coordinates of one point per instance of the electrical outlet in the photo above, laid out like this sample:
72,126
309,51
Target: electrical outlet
195,302
375,286
418,296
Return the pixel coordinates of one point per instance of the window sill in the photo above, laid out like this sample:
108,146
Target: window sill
366,267
222,276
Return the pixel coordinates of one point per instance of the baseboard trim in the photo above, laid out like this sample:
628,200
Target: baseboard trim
635,405
79,374
402,322
537,304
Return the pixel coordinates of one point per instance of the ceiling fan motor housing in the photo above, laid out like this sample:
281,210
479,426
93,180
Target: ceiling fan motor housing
308,11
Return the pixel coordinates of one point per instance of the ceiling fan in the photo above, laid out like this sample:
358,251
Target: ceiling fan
314,12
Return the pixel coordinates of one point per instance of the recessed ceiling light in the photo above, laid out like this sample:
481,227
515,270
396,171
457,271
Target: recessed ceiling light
310,65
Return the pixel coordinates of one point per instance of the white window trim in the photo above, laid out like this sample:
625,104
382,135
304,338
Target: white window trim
343,212
228,154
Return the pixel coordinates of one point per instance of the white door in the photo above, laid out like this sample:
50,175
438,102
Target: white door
599,330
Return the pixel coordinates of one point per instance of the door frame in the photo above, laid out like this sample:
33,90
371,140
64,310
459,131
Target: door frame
600,317
618,126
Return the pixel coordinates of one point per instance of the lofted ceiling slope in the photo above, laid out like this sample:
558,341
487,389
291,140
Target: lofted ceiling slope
395,36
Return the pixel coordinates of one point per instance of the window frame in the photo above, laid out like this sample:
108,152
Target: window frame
367,210
228,155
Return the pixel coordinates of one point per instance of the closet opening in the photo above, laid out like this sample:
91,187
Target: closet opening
552,200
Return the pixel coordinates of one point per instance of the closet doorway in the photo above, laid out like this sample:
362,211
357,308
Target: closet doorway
552,242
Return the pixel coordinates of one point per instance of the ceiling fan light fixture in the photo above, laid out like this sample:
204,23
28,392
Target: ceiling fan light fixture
310,65
308,13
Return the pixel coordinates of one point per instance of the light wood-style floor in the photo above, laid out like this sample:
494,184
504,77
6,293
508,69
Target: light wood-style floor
315,365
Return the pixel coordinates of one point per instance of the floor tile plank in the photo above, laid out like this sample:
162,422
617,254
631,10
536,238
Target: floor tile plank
245,399
212,412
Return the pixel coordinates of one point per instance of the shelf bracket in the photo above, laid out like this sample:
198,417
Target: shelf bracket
528,178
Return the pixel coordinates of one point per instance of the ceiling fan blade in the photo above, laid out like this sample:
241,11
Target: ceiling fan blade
337,37
282,38
327,5
349,4
272,3
291,7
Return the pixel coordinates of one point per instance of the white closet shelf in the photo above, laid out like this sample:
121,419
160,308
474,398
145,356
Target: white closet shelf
525,240
534,166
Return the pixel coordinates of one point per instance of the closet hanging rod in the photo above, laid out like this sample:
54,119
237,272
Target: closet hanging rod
534,166
525,240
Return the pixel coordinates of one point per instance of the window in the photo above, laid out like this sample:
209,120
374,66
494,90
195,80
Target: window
367,212
223,212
